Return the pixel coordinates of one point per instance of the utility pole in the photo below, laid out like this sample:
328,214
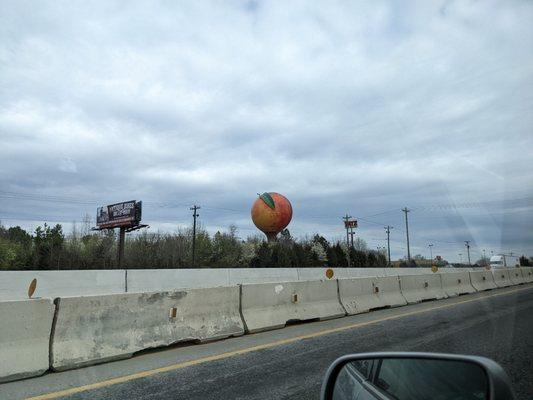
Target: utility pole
467,244
431,253
194,216
346,218
387,229
406,210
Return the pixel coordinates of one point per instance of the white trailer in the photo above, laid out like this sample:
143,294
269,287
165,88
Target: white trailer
504,261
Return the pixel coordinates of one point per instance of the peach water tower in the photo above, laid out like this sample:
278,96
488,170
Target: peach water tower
271,213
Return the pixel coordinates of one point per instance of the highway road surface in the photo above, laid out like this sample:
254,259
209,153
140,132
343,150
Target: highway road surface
290,363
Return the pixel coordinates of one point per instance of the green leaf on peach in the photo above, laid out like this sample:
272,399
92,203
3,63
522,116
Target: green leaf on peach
269,201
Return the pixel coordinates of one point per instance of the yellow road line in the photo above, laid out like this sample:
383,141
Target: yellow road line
173,367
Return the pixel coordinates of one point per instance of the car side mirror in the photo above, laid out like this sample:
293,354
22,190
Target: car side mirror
415,376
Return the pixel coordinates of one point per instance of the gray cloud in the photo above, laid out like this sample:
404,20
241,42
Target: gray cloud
359,108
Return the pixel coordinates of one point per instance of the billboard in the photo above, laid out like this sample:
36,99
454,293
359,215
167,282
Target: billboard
125,214
350,224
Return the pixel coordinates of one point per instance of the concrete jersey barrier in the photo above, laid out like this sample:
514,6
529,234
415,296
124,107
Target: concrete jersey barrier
501,277
95,329
25,327
482,280
315,274
456,283
416,288
271,305
516,277
14,284
261,275
158,280
527,273
360,295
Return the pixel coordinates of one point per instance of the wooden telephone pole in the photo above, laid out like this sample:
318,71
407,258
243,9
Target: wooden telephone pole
194,216
346,219
387,229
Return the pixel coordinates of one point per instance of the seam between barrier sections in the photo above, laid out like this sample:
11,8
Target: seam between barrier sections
339,298
57,300
198,361
399,282
244,325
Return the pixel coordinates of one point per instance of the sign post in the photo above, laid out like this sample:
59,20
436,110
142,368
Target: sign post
351,224
121,237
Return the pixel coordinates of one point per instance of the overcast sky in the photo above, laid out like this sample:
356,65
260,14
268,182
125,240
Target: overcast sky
344,107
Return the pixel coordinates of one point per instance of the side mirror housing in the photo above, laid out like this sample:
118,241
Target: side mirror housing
413,376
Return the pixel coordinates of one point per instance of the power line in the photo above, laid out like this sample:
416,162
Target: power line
224,209
68,199
381,213
478,204
85,201
50,199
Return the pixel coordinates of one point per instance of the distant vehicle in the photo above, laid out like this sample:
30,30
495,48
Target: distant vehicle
504,261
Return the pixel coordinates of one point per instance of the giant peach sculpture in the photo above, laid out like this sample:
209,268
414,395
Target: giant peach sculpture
271,213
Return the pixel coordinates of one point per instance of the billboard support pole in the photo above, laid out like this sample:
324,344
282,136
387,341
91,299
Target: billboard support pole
121,238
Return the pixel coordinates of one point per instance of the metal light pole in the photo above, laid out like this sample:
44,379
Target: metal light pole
467,244
431,252
406,210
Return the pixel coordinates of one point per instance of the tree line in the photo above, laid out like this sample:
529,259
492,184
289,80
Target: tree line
48,247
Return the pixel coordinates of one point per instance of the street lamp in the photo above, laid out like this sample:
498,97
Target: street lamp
461,257
431,252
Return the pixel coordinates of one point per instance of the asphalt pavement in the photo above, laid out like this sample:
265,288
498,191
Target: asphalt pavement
290,363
